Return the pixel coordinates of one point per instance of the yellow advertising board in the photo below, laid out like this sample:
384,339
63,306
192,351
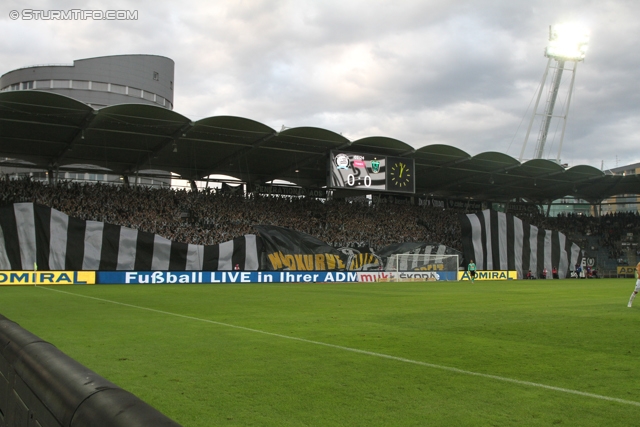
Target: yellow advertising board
626,271
31,278
489,275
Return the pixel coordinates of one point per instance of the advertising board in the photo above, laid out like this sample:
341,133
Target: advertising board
185,277
489,275
34,278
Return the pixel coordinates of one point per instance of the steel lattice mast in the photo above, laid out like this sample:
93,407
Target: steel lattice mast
567,44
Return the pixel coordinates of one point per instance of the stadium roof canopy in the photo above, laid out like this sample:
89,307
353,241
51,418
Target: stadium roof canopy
51,131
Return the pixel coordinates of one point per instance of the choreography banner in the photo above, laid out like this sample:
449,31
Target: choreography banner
288,249
38,237
499,241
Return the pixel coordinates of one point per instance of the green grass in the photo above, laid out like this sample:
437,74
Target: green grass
200,370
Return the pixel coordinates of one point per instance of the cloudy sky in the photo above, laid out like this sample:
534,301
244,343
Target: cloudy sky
458,72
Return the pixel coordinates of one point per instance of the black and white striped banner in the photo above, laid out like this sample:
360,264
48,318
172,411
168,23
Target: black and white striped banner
34,234
499,241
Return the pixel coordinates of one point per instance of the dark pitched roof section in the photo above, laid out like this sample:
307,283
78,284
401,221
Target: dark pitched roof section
49,130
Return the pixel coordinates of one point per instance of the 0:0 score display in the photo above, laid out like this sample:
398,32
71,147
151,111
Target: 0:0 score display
371,172
351,180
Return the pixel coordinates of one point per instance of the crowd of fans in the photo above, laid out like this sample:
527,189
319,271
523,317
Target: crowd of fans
608,231
211,217
611,230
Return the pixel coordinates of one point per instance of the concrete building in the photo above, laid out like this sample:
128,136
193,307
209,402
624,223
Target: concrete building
101,81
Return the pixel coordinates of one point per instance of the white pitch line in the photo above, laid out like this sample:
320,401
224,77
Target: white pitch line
369,353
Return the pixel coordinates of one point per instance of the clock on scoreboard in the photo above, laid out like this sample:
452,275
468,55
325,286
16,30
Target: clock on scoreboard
371,172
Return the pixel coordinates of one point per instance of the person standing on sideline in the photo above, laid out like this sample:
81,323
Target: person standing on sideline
471,268
637,289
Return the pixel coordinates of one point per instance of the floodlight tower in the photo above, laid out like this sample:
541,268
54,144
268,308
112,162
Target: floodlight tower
567,45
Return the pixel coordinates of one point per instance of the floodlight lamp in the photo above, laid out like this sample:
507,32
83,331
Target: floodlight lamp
567,42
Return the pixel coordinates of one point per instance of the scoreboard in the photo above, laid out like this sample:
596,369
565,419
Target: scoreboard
371,172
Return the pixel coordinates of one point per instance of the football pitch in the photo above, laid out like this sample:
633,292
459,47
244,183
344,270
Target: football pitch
508,353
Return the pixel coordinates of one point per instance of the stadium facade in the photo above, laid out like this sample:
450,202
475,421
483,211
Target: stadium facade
61,131
101,81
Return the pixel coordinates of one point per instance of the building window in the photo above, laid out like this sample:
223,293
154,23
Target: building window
103,87
27,85
156,76
60,84
43,84
118,89
15,86
80,84
171,85
135,92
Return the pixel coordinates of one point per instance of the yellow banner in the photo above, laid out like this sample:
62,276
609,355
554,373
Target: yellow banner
626,270
31,278
360,260
306,262
489,275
